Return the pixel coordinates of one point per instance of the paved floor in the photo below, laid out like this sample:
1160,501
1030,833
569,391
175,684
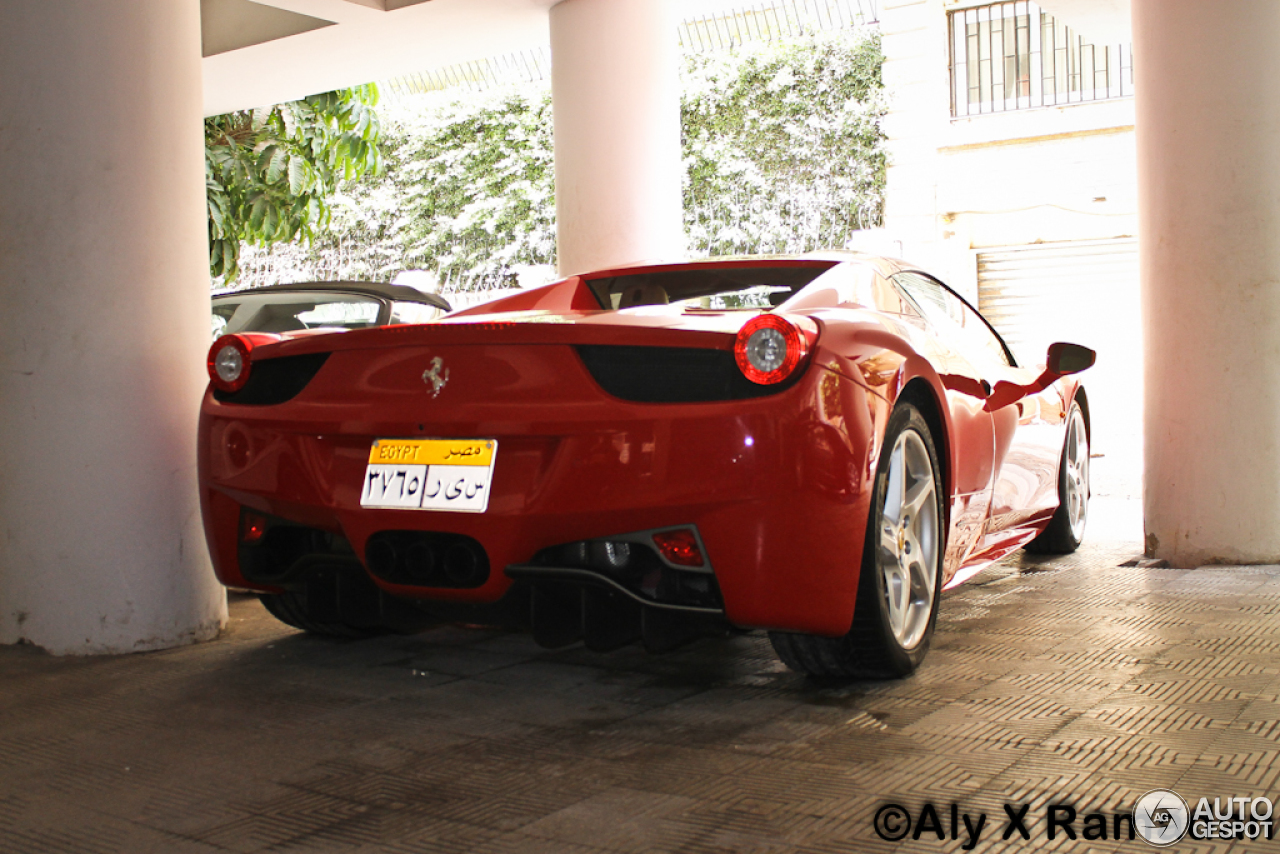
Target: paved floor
1071,682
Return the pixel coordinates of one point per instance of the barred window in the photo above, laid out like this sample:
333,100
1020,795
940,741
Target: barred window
1015,56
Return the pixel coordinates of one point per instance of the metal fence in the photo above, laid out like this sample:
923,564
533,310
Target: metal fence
771,21
753,22
1016,56
525,66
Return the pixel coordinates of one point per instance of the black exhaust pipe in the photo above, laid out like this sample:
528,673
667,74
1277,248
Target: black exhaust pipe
465,565
427,559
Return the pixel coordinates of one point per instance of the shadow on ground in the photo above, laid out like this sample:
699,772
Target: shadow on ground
1051,681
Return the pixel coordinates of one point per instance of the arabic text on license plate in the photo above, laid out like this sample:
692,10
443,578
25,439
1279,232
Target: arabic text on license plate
429,474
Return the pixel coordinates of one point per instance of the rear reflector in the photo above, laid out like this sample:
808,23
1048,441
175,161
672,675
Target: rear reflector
679,547
253,527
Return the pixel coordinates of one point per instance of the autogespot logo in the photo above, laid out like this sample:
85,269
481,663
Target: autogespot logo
1161,817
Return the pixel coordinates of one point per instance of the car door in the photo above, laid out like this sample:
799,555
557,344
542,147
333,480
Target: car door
1027,432
964,374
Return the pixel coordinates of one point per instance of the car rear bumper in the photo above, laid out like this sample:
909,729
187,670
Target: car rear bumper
776,487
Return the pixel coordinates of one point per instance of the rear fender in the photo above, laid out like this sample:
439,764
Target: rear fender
883,361
886,364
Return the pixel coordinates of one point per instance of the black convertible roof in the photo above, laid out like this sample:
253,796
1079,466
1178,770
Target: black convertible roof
403,293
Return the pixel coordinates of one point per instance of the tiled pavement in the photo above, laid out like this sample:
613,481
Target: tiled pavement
1070,681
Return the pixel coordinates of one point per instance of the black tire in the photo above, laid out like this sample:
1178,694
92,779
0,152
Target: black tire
873,648
1065,531
290,608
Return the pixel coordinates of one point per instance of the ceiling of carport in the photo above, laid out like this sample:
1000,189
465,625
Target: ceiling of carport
260,52
232,24
268,51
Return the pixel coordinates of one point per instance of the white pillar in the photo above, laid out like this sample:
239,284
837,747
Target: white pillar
616,95
104,296
1208,121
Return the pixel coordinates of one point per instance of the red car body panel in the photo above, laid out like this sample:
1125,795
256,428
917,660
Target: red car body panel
777,487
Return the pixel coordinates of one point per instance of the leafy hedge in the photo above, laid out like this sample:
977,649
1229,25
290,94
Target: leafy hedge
783,153
783,147
270,172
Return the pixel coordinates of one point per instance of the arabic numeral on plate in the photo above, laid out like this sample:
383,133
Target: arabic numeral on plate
393,486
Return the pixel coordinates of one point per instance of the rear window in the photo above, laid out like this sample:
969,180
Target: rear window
414,312
755,287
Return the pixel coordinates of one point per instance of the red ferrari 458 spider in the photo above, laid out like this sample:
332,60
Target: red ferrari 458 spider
815,446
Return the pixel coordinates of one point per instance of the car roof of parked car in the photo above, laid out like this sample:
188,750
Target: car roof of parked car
403,293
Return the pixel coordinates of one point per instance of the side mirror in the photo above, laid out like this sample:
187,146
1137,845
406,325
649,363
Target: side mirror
1066,358
1063,359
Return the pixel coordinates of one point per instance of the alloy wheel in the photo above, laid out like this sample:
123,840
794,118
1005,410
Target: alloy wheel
907,556
1076,463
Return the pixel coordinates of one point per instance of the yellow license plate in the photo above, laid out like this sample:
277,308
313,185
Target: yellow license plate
429,474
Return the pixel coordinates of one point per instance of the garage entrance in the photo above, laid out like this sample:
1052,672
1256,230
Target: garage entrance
1086,292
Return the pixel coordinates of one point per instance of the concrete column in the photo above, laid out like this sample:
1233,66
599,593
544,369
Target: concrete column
104,296
616,95
1208,121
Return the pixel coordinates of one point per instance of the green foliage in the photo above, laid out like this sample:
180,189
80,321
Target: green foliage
468,193
476,183
782,146
270,172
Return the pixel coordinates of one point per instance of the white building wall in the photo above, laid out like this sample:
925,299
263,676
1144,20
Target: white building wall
958,186
915,49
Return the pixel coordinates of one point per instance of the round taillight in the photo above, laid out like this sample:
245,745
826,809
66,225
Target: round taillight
770,348
229,362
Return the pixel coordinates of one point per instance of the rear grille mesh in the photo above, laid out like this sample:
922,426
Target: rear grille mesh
274,381
671,374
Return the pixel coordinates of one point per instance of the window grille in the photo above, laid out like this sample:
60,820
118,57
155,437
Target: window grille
1015,56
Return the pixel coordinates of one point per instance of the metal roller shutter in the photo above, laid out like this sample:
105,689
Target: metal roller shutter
1086,292
1036,295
